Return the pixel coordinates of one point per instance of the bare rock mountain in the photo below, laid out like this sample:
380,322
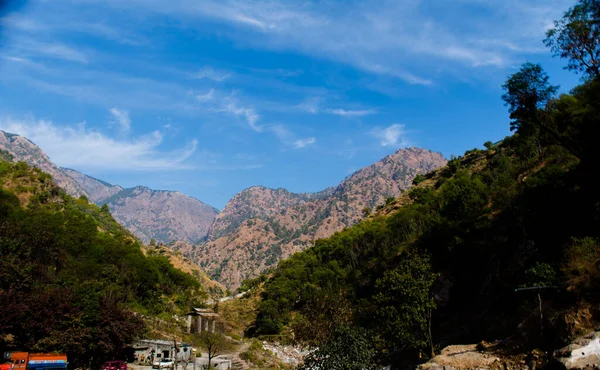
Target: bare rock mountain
260,226
162,215
97,190
149,214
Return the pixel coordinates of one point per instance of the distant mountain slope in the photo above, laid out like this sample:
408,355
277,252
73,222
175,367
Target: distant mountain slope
24,150
97,190
260,226
163,215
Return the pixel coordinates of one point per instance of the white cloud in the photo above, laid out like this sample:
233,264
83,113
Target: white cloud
212,74
122,119
393,135
404,39
52,50
310,105
79,147
206,97
301,143
351,113
247,113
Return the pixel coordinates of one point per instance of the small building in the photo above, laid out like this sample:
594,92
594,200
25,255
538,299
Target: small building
146,351
201,319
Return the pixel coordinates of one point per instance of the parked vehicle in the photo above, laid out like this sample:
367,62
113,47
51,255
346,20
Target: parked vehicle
35,361
165,363
115,365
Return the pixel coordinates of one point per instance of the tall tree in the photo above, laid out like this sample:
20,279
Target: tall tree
404,303
530,97
214,344
576,37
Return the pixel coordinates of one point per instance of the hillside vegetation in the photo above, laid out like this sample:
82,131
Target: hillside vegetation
444,263
71,278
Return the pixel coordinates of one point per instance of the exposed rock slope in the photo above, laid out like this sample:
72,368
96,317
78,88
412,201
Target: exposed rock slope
97,190
163,215
260,226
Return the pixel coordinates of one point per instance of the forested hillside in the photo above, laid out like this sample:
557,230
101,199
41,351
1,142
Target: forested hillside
444,263
71,278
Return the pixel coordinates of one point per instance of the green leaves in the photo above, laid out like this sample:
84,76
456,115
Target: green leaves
69,274
576,37
349,348
404,301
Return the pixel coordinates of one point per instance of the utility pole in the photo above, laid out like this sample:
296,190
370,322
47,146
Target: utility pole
539,297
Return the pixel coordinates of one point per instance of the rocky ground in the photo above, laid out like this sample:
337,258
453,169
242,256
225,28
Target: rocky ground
582,353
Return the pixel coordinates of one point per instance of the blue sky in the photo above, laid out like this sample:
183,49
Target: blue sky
210,97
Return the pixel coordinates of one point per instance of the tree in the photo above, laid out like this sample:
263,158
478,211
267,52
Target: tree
104,209
405,304
419,179
214,344
576,37
347,349
530,98
526,92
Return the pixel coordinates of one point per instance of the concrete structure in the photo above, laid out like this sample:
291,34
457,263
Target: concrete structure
201,319
146,351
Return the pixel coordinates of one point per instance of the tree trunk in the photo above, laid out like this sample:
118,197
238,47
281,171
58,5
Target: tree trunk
430,314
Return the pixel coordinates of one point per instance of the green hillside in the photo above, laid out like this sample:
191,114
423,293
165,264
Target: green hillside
445,262
71,278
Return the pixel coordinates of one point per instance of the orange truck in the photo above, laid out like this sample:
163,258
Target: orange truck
34,361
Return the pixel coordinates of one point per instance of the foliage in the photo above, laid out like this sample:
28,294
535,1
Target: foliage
419,179
346,349
526,213
214,344
404,302
70,275
576,37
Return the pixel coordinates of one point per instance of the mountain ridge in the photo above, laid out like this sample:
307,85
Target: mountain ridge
260,226
149,217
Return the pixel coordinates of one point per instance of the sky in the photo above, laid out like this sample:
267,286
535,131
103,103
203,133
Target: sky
209,97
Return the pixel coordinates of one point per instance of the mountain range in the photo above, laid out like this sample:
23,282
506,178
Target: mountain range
260,226
165,216
257,228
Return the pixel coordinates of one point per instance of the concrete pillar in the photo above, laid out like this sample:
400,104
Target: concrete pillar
200,324
213,325
189,323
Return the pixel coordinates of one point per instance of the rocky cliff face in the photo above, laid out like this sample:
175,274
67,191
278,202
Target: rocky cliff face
162,215
260,226
97,190
24,150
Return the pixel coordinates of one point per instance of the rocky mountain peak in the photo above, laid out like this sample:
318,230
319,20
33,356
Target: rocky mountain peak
259,226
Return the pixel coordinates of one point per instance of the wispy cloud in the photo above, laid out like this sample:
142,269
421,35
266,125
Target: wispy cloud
54,50
122,119
233,107
351,113
404,39
212,74
393,135
79,147
310,105
207,96
301,143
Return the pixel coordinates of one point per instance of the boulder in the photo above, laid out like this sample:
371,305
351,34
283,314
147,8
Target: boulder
582,353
